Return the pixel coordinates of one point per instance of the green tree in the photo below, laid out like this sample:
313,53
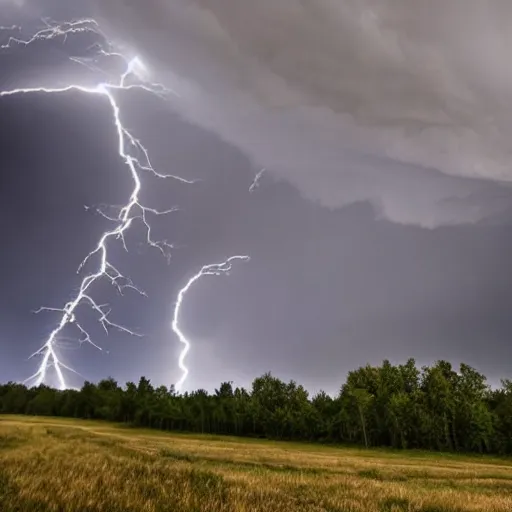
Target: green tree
389,405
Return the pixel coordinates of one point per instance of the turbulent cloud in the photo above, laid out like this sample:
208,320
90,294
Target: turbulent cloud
405,104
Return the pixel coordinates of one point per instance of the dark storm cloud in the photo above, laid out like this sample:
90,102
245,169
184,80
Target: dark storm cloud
349,101
327,289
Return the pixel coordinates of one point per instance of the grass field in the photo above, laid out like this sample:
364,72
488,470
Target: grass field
48,464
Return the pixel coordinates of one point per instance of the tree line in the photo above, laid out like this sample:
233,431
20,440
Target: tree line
398,406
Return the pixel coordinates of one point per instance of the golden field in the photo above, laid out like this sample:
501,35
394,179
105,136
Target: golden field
49,464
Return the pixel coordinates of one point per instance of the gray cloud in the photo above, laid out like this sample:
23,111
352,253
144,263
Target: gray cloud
326,290
404,104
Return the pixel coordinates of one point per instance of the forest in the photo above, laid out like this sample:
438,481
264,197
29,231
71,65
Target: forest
398,406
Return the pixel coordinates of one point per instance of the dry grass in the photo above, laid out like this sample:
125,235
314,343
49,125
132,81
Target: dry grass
54,465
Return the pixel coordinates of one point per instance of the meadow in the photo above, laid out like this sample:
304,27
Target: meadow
49,464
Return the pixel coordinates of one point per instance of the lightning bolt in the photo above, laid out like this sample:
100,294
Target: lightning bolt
136,158
256,182
214,269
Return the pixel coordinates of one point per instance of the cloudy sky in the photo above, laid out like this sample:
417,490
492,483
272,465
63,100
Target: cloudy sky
382,228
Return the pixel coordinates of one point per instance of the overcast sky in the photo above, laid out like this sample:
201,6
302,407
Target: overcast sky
382,228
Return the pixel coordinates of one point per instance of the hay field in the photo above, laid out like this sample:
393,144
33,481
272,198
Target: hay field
48,464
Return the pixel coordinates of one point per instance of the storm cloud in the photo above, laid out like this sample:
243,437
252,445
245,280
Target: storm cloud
404,107
403,104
